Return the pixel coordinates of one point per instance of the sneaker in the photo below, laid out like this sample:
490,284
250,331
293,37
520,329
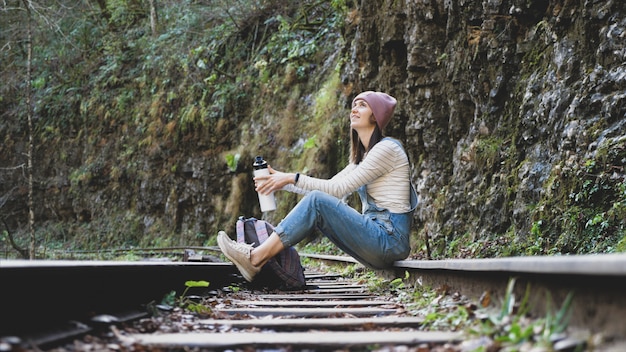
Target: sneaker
239,254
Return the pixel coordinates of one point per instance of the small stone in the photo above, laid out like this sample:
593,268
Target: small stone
570,344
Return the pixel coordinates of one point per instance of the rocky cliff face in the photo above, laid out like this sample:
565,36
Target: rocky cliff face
513,113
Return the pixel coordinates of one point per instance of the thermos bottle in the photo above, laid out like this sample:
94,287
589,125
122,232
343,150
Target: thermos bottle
267,202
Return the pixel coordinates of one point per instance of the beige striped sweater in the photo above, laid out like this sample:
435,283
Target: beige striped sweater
385,171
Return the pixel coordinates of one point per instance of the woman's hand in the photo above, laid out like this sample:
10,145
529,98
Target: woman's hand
275,181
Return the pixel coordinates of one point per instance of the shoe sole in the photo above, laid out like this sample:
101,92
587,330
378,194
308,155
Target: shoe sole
221,238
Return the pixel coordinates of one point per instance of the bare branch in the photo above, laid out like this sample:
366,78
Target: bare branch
20,166
4,198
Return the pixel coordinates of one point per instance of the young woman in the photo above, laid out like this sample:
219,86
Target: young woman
379,171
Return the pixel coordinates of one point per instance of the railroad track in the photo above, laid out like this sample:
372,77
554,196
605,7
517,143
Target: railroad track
330,314
53,302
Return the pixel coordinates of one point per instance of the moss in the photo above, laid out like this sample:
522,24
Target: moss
326,121
487,152
583,204
620,247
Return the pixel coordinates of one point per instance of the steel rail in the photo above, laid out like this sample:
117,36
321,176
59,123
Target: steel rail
597,281
56,291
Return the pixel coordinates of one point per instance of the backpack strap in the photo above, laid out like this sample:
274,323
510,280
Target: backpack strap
261,230
241,237
414,199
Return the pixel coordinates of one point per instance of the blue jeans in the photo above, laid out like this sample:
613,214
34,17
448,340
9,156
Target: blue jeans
375,238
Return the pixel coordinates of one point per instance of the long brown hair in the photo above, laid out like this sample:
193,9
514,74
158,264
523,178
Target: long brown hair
357,149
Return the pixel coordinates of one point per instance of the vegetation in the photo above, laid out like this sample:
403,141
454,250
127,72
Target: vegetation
186,302
581,207
488,325
126,101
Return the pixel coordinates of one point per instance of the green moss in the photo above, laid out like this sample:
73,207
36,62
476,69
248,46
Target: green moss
583,205
325,123
621,245
487,152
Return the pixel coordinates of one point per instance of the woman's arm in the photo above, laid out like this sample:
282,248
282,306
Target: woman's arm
289,181
383,158
379,161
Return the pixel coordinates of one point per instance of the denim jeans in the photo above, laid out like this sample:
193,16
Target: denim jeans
376,237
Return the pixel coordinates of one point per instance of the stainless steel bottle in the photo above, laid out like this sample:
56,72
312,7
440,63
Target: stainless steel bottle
267,202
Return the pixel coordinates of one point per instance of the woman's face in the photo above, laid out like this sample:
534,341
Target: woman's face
361,115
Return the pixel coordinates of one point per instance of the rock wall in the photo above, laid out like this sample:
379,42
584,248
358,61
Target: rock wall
501,104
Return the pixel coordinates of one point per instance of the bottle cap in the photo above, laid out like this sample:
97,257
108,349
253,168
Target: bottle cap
259,162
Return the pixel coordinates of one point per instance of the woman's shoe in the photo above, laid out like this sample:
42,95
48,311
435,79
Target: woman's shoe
239,254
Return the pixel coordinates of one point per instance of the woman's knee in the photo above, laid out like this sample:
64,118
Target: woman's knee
322,198
312,200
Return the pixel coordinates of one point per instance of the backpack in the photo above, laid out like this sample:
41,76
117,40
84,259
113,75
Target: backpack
284,271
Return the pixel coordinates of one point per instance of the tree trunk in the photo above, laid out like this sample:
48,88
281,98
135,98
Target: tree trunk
154,18
29,114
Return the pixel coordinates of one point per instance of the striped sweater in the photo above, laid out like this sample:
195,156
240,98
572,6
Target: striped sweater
385,171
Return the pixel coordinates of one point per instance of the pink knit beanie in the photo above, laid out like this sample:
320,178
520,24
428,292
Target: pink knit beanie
382,106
